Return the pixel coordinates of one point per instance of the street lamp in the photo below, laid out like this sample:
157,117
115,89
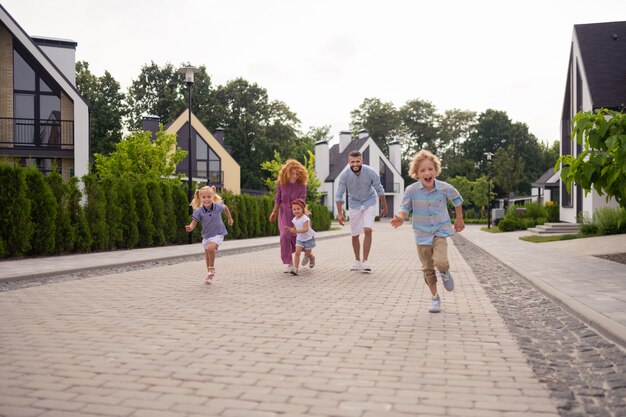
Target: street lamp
189,73
489,155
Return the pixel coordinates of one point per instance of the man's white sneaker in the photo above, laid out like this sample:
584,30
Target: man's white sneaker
287,268
365,267
305,260
356,266
435,305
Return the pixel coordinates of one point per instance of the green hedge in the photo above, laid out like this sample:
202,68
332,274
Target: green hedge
44,215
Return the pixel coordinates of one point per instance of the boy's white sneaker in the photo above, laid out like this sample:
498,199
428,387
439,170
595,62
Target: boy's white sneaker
356,266
287,268
365,267
435,305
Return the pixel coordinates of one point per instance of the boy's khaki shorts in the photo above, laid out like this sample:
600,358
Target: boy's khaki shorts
433,257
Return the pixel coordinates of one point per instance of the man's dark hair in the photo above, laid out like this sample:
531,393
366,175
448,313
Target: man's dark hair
356,154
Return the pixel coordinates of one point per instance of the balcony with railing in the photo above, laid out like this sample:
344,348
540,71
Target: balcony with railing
19,133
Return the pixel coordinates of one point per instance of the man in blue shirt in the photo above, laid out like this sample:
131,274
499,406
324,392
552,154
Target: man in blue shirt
362,184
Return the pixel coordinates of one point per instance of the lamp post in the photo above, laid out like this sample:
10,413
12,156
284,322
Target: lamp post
189,72
489,155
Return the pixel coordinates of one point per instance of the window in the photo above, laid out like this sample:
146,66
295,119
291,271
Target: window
37,108
208,164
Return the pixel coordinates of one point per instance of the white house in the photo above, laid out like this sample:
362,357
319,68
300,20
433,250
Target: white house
596,78
44,121
331,162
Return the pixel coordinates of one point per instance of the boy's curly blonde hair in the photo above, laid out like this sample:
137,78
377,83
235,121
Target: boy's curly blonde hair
288,166
420,157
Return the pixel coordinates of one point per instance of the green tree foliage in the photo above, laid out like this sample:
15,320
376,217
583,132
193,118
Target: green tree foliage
95,213
107,108
420,122
255,127
524,158
156,91
507,169
43,212
138,156
601,165
16,226
382,121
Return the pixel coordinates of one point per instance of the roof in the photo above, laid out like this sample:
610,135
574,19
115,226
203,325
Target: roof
338,161
603,50
547,180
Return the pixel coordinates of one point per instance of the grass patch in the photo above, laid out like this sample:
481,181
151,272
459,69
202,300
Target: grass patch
554,238
493,229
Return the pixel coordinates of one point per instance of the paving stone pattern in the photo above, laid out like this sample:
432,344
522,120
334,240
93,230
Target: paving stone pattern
586,373
260,343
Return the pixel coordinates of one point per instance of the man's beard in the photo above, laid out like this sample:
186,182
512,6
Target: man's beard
357,170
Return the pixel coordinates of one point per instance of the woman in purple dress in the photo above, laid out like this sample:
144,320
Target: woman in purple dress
291,185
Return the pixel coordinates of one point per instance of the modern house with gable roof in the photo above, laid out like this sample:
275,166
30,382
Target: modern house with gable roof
212,163
44,121
596,78
331,162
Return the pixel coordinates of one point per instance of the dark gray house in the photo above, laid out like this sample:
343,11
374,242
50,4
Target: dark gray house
596,78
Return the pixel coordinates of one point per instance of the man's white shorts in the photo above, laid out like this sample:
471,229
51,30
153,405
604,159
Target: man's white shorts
361,218
217,239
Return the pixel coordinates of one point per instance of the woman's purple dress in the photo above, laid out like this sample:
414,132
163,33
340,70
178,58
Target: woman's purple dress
285,194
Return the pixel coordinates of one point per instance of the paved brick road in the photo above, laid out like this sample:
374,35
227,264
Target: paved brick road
259,343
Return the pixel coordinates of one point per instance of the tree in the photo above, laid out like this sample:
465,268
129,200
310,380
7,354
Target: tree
381,120
507,169
600,166
255,127
139,155
156,91
455,128
106,108
420,126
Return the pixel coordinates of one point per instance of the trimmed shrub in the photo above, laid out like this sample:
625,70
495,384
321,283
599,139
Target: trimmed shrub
145,225
65,234
44,209
129,220
16,226
155,196
113,214
77,217
95,213
169,225
179,197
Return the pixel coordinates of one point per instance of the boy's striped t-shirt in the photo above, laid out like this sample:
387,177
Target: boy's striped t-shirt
430,211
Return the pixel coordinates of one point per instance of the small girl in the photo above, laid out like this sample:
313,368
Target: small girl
208,207
305,239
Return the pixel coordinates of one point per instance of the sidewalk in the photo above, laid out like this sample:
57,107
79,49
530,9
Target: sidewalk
592,288
12,270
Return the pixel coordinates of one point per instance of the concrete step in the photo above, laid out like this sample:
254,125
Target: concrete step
555,228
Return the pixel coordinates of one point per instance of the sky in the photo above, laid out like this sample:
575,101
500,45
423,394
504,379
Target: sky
324,57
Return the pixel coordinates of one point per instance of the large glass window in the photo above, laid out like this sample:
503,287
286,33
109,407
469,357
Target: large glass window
208,164
23,74
37,109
